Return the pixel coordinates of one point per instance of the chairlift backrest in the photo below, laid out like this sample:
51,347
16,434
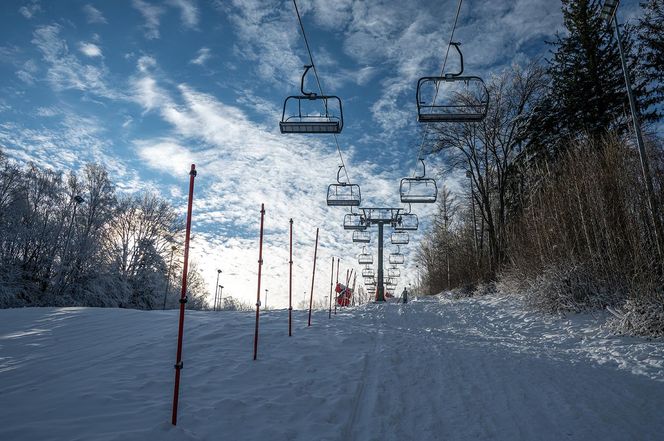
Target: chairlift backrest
300,113
368,272
454,93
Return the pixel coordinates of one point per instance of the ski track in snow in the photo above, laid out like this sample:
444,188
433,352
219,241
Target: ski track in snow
434,369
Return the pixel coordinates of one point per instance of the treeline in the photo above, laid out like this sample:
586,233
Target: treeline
555,205
71,240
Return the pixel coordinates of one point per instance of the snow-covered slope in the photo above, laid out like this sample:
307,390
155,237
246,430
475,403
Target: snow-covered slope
433,369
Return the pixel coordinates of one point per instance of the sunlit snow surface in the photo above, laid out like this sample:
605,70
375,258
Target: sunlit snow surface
434,369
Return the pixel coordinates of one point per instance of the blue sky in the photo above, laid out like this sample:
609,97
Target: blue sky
148,87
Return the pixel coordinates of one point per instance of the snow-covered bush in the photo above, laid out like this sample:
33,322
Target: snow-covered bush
640,316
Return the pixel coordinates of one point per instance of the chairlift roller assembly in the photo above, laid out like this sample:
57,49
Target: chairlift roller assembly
457,105
343,194
301,113
419,189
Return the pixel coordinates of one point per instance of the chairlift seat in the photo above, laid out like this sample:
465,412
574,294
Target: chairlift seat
361,236
451,108
399,238
393,272
368,272
365,259
418,190
396,259
343,195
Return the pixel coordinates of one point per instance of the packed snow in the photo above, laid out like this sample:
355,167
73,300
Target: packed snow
432,369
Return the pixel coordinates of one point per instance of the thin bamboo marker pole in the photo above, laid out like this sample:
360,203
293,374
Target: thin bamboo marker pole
329,314
335,300
183,298
313,276
258,294
290,283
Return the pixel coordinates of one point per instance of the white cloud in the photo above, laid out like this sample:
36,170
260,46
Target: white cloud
65,71
164,154
94,15
151,14
188,12
202,56
89,49
28,11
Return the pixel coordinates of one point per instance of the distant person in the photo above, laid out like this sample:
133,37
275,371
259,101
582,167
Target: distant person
404,295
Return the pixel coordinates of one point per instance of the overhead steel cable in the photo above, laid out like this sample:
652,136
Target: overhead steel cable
320,88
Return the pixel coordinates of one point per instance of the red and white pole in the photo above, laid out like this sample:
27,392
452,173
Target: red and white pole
329,314
290,284
183,298
258,295
313,276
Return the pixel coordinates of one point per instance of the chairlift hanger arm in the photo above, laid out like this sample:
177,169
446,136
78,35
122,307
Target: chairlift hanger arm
312,95
456,45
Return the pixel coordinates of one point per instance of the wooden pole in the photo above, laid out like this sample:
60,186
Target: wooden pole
313,276
183,298
329,314
258,294
290,283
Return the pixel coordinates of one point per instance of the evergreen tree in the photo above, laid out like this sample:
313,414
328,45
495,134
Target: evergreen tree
587,95
651,39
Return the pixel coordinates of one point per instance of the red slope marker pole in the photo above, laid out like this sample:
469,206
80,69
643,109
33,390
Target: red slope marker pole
329,314
258,295
183,298
290,283
335,300
313,276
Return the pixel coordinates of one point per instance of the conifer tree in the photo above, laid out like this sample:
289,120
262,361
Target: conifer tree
651,46
587,95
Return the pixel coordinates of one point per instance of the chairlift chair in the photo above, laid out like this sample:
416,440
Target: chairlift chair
368,272
343,194
396,258
302,115
393,272
354,221
406,222
419,189
361,236
457,105
399,238
365,258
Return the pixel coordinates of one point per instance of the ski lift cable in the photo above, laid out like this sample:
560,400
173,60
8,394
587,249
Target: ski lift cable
442,73
320,88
